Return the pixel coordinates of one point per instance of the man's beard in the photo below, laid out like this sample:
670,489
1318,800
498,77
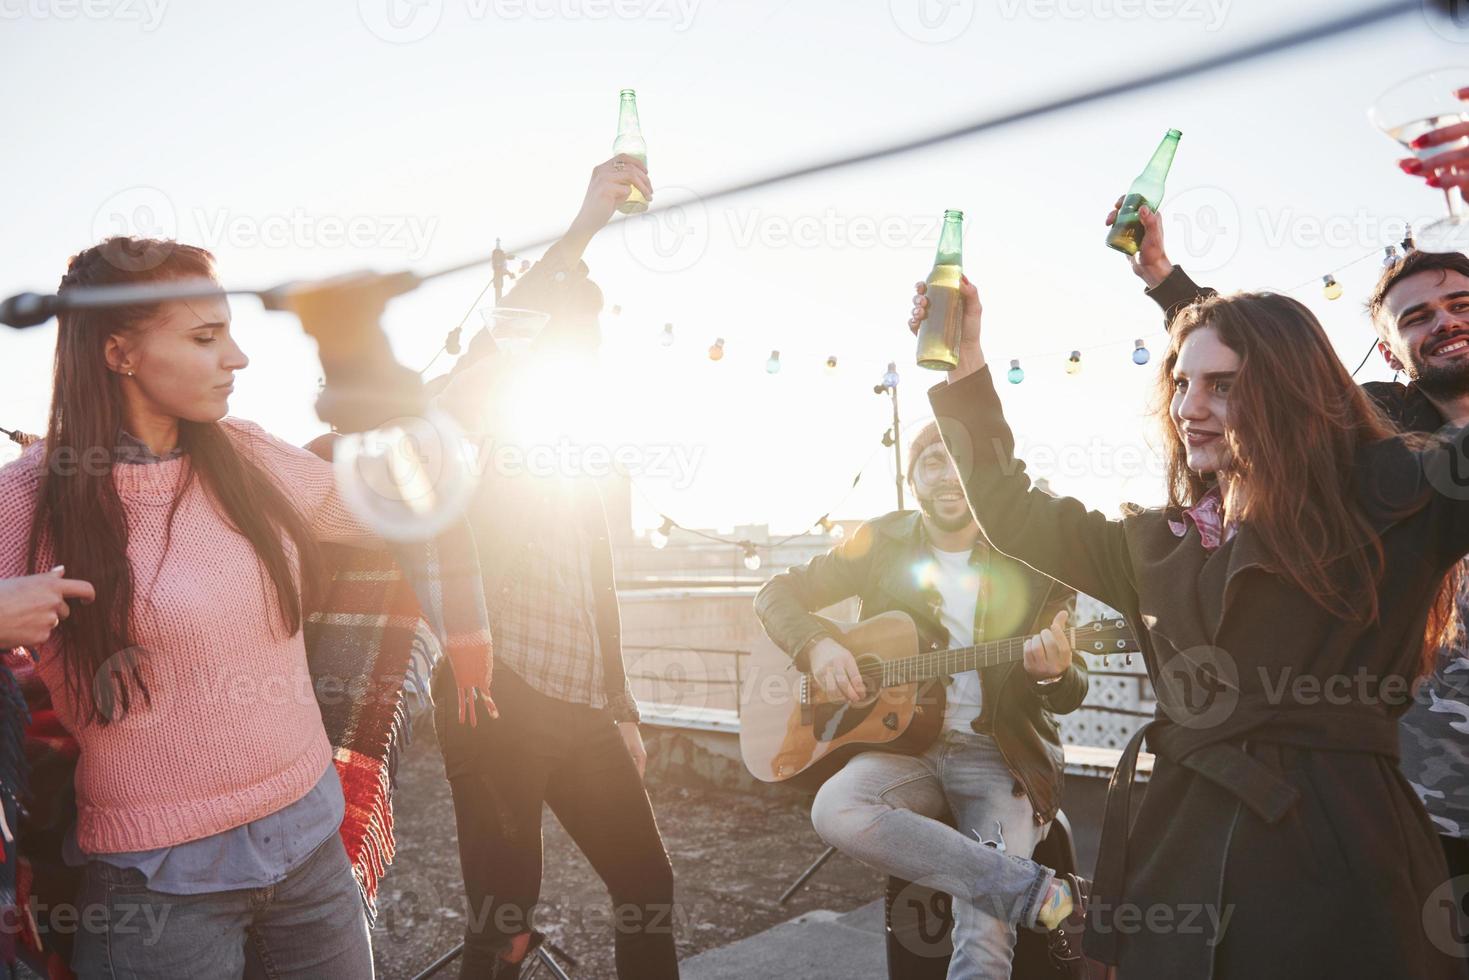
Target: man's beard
1442,381
946,524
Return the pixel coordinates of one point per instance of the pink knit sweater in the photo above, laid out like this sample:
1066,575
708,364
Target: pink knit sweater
233,732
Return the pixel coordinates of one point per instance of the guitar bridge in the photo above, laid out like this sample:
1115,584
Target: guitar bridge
808,716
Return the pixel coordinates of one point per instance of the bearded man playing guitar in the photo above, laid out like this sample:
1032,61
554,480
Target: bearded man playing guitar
995,764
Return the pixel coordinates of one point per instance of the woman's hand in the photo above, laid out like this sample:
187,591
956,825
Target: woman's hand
611,184
971,357
609,187
1151,263
1446,170
33,606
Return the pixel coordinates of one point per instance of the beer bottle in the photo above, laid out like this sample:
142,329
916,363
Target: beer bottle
1126,233
630,141
939,333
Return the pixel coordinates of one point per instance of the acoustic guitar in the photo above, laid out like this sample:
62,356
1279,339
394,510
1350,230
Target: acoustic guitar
790,728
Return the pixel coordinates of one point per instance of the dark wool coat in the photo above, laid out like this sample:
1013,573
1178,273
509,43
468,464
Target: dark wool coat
1277,838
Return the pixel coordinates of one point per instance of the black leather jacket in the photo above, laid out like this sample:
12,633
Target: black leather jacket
876,565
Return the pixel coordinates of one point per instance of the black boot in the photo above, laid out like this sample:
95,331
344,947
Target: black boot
1068,961
505,970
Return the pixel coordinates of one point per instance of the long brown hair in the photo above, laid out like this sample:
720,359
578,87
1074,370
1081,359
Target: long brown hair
79,516
1296,421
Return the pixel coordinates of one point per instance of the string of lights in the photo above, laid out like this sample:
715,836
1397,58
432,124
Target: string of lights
1331,289
1137,347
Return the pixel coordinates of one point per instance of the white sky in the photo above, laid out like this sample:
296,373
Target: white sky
221,124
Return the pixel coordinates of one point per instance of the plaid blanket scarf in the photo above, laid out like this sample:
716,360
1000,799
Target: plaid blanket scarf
358,646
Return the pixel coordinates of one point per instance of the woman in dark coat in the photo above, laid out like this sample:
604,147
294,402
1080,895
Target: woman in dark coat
1282,602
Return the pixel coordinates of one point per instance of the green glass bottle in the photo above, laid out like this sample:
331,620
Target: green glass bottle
1126,233
630,141
940,331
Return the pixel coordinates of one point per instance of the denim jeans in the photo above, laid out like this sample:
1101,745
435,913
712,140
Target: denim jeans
885,810
309,925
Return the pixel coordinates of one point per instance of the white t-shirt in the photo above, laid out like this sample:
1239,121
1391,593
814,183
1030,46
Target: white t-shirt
958,584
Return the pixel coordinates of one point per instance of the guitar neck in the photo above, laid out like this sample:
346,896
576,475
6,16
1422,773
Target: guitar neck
941,663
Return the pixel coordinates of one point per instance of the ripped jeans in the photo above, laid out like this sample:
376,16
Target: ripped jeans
885,810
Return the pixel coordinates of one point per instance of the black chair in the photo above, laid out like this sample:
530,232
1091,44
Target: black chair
918,921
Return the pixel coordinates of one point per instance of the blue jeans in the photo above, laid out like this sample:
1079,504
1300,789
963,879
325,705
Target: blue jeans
309,925
883,809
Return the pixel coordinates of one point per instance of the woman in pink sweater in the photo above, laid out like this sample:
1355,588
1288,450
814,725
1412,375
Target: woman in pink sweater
208,805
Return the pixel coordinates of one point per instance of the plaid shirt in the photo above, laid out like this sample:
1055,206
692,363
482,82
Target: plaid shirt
543,614
542,588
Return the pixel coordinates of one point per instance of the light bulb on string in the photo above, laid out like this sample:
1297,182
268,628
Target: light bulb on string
1140,353
752,557
1330,288
716,349
1408,245
1389,256
890,376
659,538
1016,374
1073,363
832,528
772,366
667,339
831,363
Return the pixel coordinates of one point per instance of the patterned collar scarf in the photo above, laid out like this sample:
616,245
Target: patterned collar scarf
1208,516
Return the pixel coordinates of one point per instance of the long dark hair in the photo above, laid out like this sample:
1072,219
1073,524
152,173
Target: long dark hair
79,516
1296,421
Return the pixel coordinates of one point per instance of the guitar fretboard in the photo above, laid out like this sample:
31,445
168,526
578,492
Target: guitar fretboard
939,663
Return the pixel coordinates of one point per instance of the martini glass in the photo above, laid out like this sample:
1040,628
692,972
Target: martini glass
1420,105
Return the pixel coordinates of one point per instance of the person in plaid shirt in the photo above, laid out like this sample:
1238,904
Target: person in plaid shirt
563,725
